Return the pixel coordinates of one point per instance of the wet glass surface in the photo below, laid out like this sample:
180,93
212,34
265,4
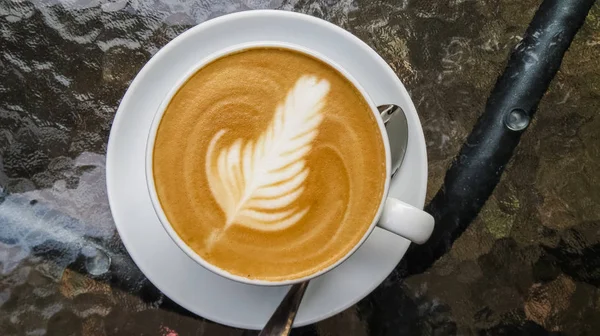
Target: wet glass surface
529,263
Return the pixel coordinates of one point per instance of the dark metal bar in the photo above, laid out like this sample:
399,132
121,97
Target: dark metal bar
513,101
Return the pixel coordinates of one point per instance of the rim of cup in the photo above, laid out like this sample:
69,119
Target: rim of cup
150,148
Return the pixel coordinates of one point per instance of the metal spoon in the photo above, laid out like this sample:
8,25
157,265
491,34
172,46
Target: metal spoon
396,125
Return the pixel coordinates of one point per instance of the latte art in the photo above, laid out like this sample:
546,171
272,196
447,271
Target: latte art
268,164
256,182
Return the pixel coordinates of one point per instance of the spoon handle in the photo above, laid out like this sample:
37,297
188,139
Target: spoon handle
280,323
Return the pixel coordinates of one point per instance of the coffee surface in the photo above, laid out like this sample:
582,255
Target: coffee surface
268,163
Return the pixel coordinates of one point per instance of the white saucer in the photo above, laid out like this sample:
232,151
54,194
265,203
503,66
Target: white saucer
169,269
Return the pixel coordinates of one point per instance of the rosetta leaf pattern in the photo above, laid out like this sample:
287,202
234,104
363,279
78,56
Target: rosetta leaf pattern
256,181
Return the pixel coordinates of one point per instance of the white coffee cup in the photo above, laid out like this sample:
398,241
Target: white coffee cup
392,215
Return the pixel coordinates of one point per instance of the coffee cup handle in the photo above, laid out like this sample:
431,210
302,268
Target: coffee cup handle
406,221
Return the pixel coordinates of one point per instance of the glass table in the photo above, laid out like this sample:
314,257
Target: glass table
528,264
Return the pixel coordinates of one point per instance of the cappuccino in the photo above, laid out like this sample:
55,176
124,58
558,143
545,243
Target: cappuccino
269,164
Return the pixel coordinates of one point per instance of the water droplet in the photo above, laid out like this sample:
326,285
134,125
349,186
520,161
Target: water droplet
96,261
517,120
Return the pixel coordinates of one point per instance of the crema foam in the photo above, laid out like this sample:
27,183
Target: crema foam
269,164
